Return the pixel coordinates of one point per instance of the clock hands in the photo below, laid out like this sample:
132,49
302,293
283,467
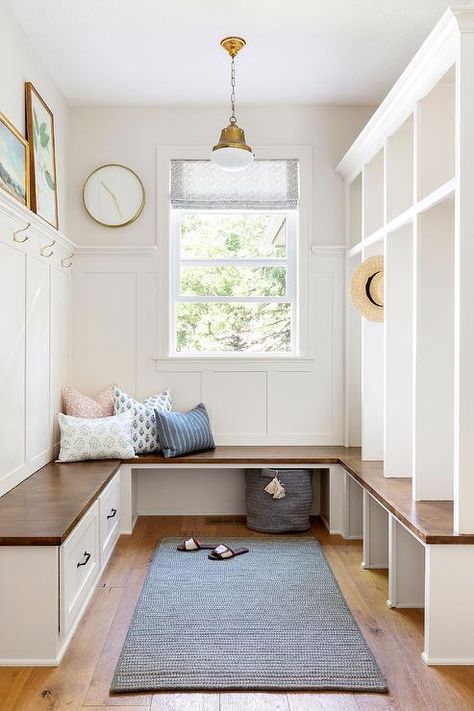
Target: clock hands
106,187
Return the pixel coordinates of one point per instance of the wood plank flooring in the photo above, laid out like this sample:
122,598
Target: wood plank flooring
83,679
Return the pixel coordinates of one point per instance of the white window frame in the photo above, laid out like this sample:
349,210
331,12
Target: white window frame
166,239
289,262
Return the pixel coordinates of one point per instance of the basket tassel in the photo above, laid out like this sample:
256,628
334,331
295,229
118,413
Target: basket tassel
276,489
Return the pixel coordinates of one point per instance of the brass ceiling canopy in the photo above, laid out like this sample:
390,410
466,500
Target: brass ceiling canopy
233,45
232,153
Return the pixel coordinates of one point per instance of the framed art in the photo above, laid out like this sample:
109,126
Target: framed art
14,162
40,130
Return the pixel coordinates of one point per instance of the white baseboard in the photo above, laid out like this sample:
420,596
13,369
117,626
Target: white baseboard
447,661
365,566
405,605
29,662
331,531
129,531
325,521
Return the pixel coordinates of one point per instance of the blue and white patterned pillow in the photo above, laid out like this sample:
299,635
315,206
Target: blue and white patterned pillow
184,432
144,430
98,438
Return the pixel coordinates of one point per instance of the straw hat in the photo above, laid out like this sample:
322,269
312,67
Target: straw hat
367,288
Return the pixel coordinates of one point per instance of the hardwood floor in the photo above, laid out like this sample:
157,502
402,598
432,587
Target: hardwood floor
82,680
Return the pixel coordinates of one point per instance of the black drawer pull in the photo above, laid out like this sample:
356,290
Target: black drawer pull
112,513
87,557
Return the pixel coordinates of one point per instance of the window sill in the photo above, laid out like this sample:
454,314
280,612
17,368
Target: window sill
285,363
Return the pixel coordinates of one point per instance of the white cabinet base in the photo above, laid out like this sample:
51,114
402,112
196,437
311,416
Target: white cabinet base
353,518
406,580
333,513
128,499
29,609
45,592
375,542
449,617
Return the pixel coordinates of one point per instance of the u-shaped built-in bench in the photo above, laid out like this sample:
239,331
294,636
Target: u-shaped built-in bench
59,527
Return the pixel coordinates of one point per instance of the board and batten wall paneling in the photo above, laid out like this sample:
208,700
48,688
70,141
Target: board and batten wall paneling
186,388
147,329
237,403
353,364
117,302
59,343
37,359
34,346
292,410
12,361
105,319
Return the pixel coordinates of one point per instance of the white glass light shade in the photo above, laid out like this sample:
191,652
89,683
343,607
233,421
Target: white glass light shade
232,153
232,159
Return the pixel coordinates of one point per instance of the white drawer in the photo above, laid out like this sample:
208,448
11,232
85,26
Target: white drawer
79,559
109,518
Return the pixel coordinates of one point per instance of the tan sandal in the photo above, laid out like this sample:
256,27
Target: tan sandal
223,552
193,544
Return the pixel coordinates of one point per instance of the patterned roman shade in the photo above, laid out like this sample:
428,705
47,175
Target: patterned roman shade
264,185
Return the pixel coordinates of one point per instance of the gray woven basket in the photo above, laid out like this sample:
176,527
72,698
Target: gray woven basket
269,515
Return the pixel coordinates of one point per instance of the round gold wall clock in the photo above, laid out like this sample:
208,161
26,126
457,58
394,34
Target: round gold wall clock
113,195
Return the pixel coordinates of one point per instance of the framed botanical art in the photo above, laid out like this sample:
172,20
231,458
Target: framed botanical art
14,162
40,129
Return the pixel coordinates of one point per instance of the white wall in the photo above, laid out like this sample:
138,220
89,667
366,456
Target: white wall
19,63
34,289
118,294
129,135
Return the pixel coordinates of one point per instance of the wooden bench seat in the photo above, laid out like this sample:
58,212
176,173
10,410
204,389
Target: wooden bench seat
253,455
430,521
45,508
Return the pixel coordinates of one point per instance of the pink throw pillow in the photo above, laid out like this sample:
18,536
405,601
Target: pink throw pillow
79,405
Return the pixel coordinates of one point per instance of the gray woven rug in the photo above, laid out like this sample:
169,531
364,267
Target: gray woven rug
272,619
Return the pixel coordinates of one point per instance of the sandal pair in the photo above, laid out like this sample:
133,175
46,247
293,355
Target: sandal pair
220,552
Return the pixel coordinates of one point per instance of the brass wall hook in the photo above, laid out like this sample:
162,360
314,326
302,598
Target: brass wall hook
67,261
46,249
17,232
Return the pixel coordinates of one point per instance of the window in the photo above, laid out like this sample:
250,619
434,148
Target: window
234,276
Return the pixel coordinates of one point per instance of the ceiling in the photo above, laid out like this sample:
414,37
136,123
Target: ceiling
146,52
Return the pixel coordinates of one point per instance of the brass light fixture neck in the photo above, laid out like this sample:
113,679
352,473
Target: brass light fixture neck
232,136
233,45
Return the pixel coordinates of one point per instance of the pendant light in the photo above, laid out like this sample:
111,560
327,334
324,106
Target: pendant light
232,153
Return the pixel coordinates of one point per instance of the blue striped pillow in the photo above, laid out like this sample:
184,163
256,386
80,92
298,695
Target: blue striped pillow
184,432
